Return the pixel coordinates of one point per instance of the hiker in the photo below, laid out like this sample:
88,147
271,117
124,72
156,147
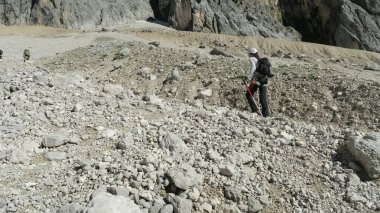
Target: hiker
258,77
26,55
1,54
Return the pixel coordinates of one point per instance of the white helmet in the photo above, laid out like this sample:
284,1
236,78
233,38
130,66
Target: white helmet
252,50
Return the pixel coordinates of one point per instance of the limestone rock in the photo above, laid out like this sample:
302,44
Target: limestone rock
367,151
56,138
185,177
174,143
55,156
181,205
104,202
113,89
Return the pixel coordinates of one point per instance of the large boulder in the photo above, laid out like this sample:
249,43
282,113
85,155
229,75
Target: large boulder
367,151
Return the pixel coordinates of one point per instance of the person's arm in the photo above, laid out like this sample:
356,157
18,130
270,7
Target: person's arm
253,68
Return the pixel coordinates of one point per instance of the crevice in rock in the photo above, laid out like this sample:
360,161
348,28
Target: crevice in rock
34,2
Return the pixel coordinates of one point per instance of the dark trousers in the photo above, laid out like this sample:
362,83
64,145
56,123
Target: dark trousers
262,96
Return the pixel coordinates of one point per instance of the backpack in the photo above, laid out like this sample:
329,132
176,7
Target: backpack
26,52
263,67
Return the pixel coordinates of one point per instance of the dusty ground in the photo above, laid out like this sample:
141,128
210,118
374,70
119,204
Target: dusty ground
316,84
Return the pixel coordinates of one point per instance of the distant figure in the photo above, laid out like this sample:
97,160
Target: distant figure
26,55
1,54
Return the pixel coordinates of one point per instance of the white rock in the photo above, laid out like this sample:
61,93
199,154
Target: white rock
367,151
55,156
206,93
167,209
126,142
110,134
185,177
113,89
146,195
144,72
174,143
56,138
207,208
18,157
354,198
125,51
213,155
78,107
104,202
181,205
254,205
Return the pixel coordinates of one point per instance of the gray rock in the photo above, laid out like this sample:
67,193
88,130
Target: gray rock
18,157
157,206
155,43
174,143
110,134
254,205
175,75
353,180
372,66
126,142
55,156
231,209
355,198
146,195
167,209
113,89
181,205
119,191
153,99
78,107
227,170
56,138
206,93
264,199
185,177
71,208
232,193
124,52
144,72
367,151
213,155
206,207
219,51
104,202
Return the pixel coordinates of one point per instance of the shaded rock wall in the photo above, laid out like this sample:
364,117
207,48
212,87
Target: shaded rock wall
352,24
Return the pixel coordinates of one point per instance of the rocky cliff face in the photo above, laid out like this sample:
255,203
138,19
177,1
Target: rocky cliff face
345,23
352,24
255,18
83,14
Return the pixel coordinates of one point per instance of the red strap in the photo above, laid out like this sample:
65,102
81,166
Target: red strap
250,86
